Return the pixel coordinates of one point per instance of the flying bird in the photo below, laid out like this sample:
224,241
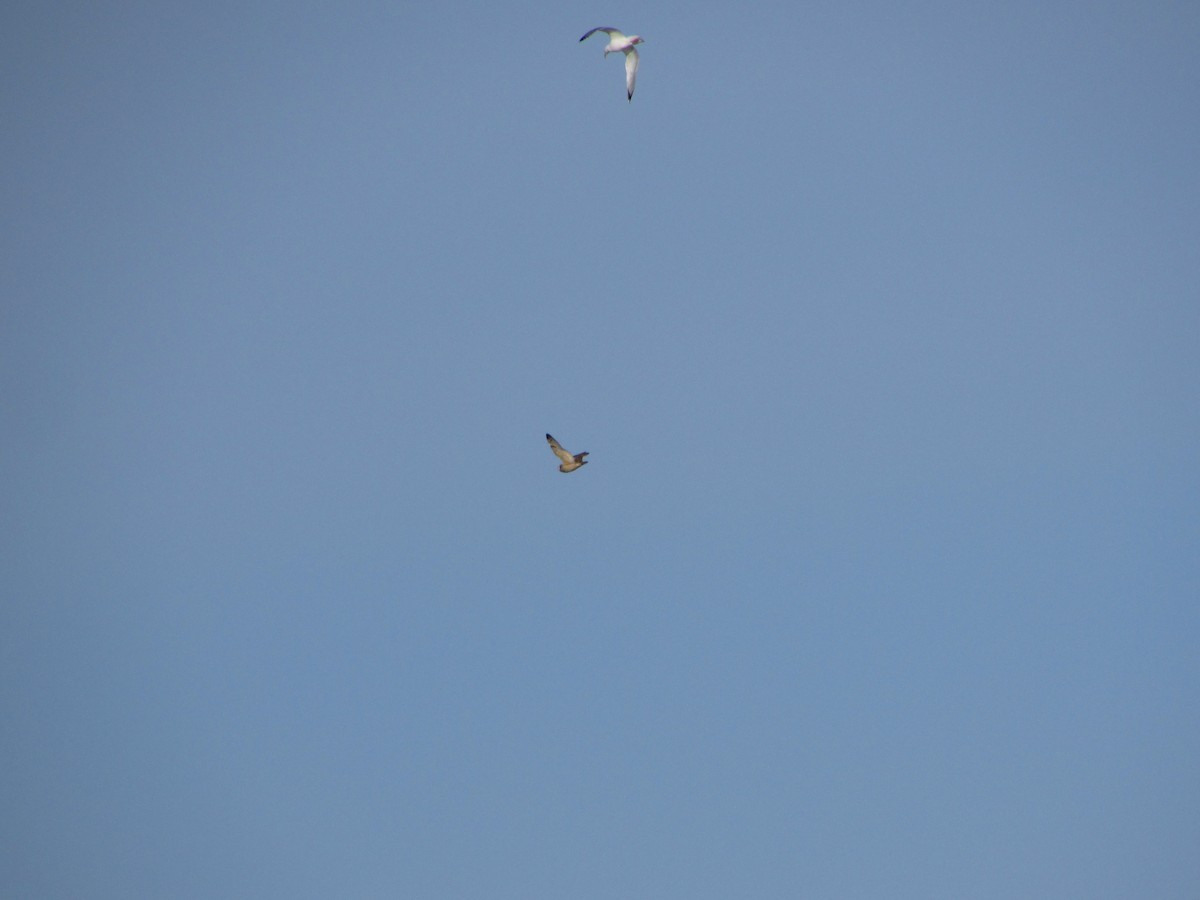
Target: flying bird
617,42
569,463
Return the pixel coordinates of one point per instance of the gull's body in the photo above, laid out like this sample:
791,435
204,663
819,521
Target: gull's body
570,462
619,43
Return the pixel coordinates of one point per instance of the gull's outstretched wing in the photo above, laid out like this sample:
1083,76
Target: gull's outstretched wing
631,64
559,451
611,32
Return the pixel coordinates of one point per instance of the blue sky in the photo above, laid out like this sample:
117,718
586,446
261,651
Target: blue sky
880,323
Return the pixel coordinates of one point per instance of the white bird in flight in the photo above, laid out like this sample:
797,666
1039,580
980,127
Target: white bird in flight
569,462
619,42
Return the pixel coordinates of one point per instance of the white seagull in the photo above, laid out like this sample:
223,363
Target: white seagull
618,42
569,463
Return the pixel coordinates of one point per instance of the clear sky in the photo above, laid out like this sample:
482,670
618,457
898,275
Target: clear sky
881,323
